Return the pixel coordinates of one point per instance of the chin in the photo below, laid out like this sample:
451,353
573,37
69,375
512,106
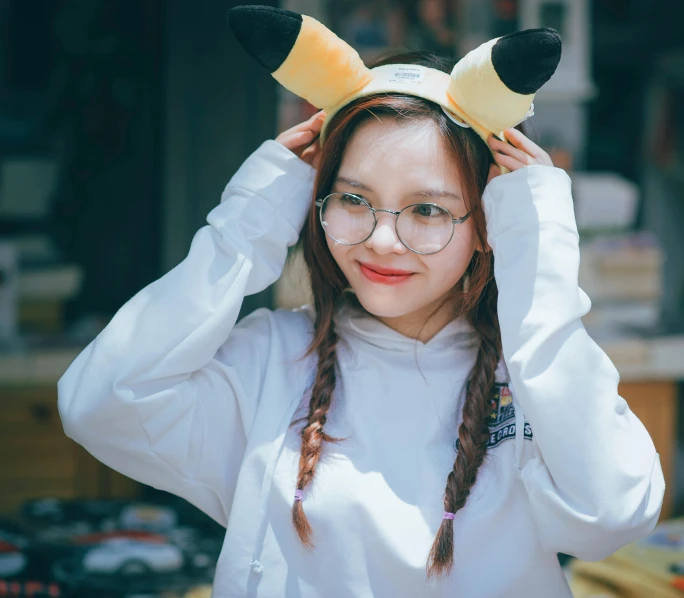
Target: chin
385,308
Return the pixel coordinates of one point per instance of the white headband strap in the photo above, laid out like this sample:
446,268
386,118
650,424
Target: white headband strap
460,123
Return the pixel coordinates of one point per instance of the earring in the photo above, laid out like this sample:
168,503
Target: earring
466,283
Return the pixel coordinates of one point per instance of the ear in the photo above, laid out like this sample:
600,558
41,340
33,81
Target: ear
302,54
493,86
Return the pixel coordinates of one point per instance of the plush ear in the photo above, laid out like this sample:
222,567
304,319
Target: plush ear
493,86
302,54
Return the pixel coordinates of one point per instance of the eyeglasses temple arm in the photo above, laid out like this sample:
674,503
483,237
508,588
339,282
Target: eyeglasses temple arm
461,219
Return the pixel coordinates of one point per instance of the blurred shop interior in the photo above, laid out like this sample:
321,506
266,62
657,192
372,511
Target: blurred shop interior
121,122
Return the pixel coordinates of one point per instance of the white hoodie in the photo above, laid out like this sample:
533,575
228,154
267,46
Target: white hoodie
176,395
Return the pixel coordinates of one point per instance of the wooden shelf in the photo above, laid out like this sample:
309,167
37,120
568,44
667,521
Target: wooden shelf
39,460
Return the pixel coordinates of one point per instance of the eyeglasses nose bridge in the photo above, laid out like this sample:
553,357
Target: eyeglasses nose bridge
375,221
375,218
375,210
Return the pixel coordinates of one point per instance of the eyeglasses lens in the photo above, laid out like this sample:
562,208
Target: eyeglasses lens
425,228
346,218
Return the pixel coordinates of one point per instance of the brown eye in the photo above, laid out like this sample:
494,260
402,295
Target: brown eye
427,210
352,200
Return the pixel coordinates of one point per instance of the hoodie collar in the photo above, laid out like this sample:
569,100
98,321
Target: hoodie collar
354,321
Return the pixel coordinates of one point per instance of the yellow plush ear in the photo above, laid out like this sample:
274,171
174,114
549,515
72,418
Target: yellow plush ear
492,87
302,54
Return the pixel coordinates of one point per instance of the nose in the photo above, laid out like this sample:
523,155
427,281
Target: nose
384,239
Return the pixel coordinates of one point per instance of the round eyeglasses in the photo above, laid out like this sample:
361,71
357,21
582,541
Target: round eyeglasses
424,228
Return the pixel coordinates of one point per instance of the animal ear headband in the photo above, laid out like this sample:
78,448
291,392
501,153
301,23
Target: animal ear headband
490,89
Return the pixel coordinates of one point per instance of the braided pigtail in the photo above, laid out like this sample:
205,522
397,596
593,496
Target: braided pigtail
473,432
324,343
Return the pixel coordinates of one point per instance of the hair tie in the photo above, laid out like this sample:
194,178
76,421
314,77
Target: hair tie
298,494
448,515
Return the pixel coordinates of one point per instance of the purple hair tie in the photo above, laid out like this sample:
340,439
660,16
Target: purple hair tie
448,515
298,494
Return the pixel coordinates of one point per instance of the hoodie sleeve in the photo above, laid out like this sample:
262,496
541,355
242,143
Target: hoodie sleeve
594,480
167,392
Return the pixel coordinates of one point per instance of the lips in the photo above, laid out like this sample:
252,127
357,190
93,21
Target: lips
394,277
385,271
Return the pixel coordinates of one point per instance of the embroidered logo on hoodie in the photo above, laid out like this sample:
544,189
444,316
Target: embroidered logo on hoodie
501,417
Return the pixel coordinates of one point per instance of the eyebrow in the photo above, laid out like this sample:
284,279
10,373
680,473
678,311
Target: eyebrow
431,193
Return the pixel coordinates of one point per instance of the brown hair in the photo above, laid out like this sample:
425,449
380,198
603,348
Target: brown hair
476,300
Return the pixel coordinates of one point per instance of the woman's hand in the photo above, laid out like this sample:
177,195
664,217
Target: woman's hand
302,139
520,152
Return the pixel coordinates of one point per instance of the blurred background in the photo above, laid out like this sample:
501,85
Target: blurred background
121,122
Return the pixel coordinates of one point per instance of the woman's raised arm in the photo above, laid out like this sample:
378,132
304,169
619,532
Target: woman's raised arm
167,392
594,479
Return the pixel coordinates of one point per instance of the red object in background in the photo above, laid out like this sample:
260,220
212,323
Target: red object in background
664,145
506,10
8,547
28,589
141,536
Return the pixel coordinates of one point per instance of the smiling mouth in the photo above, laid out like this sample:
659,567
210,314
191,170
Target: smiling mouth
386,277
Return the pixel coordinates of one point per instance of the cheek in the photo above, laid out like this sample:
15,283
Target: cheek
447,266
464,238
340,253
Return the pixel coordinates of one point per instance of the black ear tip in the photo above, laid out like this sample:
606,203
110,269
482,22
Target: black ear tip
553,33
249,16
239,14
548,31
233,12
265,32
235,18
525,60
550,41
251,11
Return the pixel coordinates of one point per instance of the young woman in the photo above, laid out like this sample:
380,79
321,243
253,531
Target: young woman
437,423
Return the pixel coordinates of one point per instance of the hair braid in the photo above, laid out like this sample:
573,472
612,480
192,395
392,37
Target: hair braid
473,432
313,434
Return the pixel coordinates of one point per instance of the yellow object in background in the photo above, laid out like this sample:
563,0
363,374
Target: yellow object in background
199,592
649,568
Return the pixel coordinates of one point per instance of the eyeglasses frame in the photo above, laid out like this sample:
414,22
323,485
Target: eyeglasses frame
454,221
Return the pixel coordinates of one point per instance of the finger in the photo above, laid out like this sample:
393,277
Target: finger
317,124
311,155
311,148
508,162
316,153
508,149
524,143
309,124
316,118
298,138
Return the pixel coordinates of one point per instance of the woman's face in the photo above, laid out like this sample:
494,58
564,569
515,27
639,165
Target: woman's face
392,165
